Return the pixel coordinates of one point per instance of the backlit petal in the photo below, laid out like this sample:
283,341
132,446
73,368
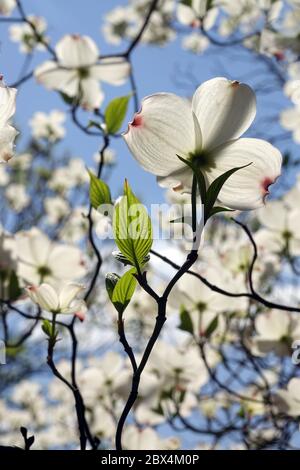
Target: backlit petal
224,109
162,129
248,187
114,71
76,51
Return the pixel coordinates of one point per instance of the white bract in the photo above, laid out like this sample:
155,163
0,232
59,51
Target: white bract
79,70
4,177
206,132
195,42
77,226
8,253
283,223
117,23
290,120
22,162
190,15
7,6
56,209
61,300
147,439
7,110
17,196
65,178
288,400
196,13
48,126
276,331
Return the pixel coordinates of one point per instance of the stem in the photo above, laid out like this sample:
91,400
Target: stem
77,397
160,320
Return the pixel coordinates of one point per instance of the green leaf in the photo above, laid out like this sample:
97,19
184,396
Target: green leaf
215,188
158,410
115,113
95,124
47,328
132,229
212,326
14,290
218,209
99,192
70,100
111,280
124,290
186,323
188,3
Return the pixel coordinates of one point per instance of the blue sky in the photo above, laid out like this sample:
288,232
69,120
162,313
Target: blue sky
155,69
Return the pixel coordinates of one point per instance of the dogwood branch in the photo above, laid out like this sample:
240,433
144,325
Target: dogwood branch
161,302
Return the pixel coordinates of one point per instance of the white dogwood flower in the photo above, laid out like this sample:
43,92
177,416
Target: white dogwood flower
276,331
195,42
206,132
283,224
289,119
56,209
42,260
61,300
29,39
7,110
147,438
17,196
78,70
48,126
193,14
190,15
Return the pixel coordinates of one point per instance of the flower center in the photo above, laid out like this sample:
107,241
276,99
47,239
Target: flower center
201,307
203,159
287,235
44,271
83,72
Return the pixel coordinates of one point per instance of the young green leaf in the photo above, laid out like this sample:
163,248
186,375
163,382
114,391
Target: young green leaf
186,323
115,113
47,328
215,188
212,326
132,228
122,259
14,290
111,280
187,2
99,191
124,290
70,100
